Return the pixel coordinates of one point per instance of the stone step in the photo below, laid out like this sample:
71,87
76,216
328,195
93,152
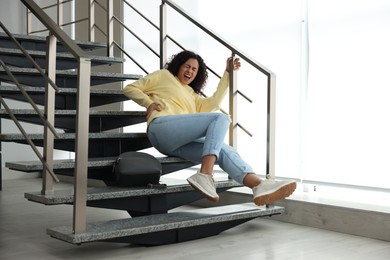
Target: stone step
38,43
137,201
98,168
98,120
100,144
111,192
64,78
15,57
66,98
167,228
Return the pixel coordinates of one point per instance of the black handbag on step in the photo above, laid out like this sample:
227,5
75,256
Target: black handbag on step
136,169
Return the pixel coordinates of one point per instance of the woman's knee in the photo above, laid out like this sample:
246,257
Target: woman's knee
224,117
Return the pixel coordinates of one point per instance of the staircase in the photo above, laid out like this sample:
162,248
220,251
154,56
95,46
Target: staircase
150,220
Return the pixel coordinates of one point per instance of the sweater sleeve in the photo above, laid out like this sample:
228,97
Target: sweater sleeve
214,102
138,90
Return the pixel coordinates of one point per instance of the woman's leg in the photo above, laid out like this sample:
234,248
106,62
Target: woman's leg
229,160
207,164
264,191
169,133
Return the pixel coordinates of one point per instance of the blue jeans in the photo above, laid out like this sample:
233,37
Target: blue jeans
193,136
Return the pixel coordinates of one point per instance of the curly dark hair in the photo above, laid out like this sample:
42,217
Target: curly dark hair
179,59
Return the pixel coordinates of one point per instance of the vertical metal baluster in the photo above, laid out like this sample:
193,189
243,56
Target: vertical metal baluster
91,20
110,28
271,116
81,149
47,181
163,35
233,104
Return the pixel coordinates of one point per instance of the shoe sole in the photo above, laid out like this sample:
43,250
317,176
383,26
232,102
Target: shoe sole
213,199
279,194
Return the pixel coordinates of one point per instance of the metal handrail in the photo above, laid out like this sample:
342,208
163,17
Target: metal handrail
136,36
28,139
28,56
82,114
61,25
271,85
233,89
20,127
80,195
130,57
55,5
28,98
176,43
58,5
141,14
218,38
54,29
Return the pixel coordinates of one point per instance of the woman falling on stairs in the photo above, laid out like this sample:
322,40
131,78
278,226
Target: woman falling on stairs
182,123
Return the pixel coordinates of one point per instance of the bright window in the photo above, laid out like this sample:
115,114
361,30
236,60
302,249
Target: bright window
348,108
332,127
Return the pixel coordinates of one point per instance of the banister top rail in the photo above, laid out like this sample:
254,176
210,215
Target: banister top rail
54,28
218,38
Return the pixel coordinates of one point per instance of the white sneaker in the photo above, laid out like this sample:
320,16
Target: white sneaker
204,183
269,191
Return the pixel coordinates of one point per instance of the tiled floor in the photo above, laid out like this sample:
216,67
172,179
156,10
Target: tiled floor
23,236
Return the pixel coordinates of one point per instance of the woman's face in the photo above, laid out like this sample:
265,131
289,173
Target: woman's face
187,71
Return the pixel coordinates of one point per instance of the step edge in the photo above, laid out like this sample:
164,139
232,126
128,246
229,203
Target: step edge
41,39
65,55
33,166
111,192
34,72
72,112
66,232
9,137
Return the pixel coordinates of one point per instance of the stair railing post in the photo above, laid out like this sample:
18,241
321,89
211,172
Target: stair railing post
91,20
28,21
233,104
271,116
163,35
60,14
48,149
110,28
81,148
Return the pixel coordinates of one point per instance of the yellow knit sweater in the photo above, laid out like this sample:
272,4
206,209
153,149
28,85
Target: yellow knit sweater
164,89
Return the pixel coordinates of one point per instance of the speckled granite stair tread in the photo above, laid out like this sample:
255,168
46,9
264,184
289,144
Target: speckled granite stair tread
73,112
109,192
71,73
29,166
86,45
105,59
63,90
162,222
71,136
